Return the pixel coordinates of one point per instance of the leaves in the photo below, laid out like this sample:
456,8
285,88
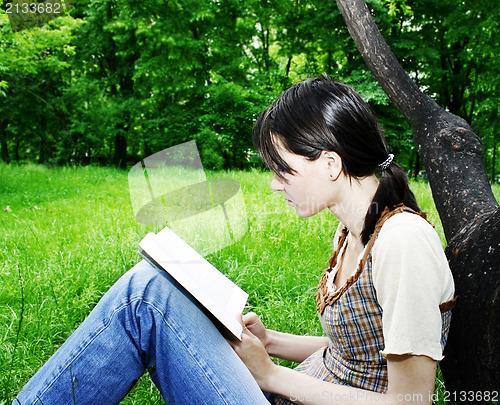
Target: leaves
113,79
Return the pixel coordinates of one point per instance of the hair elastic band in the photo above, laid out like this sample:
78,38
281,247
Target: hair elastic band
387,162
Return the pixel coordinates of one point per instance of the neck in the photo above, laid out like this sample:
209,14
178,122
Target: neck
356,197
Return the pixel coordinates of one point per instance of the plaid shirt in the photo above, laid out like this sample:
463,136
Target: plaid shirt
352,319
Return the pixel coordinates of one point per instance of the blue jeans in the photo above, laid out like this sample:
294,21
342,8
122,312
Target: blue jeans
145,321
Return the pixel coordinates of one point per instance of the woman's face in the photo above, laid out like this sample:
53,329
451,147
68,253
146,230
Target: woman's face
310,188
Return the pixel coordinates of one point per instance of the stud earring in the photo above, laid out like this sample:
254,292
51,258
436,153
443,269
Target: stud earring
334,178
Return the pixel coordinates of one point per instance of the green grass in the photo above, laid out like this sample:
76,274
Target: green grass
69,233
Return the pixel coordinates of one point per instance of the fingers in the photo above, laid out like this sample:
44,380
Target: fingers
245,335
253,322
247,332
250,318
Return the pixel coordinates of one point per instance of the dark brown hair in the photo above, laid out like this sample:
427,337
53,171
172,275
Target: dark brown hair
319,114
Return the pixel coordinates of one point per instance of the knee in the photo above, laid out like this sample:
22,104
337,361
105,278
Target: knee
148,283
142,272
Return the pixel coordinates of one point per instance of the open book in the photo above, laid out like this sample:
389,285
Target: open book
223,299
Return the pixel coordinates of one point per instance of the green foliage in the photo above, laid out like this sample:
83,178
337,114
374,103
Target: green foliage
112,82
36,66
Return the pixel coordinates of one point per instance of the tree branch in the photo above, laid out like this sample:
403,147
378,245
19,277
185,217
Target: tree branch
451,152
381,61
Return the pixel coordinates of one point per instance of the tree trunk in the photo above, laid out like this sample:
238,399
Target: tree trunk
120,156
288,65
417,166
453,158
44,145
493,161
4,150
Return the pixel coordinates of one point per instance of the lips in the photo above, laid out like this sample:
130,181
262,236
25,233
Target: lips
290,202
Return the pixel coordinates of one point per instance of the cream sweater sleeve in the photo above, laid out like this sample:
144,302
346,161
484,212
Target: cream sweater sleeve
411,277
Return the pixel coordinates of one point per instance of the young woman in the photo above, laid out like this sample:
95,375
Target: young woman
384,301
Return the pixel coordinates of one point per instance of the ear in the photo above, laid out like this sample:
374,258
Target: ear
333,163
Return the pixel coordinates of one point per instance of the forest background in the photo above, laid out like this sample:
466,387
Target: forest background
111,82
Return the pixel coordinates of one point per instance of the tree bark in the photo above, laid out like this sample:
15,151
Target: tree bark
453,157
493,161
4,150
120,155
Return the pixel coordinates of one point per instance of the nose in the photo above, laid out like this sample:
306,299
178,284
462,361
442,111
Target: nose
276,184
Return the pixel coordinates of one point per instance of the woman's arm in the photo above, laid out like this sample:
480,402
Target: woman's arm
284,345
410,379
293,347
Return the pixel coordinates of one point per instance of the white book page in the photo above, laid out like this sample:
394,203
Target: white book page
224,299
224,291
177,247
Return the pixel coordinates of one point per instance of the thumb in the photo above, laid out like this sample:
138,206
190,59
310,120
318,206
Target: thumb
250,318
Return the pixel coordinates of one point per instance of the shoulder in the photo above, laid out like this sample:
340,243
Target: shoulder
407,220
409,249
409,232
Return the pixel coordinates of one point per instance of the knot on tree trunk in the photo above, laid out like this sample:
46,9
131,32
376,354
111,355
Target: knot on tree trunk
453,157
459,139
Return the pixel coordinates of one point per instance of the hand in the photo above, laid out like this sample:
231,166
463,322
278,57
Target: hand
252,352
256,327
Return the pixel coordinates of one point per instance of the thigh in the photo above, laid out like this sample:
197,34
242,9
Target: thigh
191,361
